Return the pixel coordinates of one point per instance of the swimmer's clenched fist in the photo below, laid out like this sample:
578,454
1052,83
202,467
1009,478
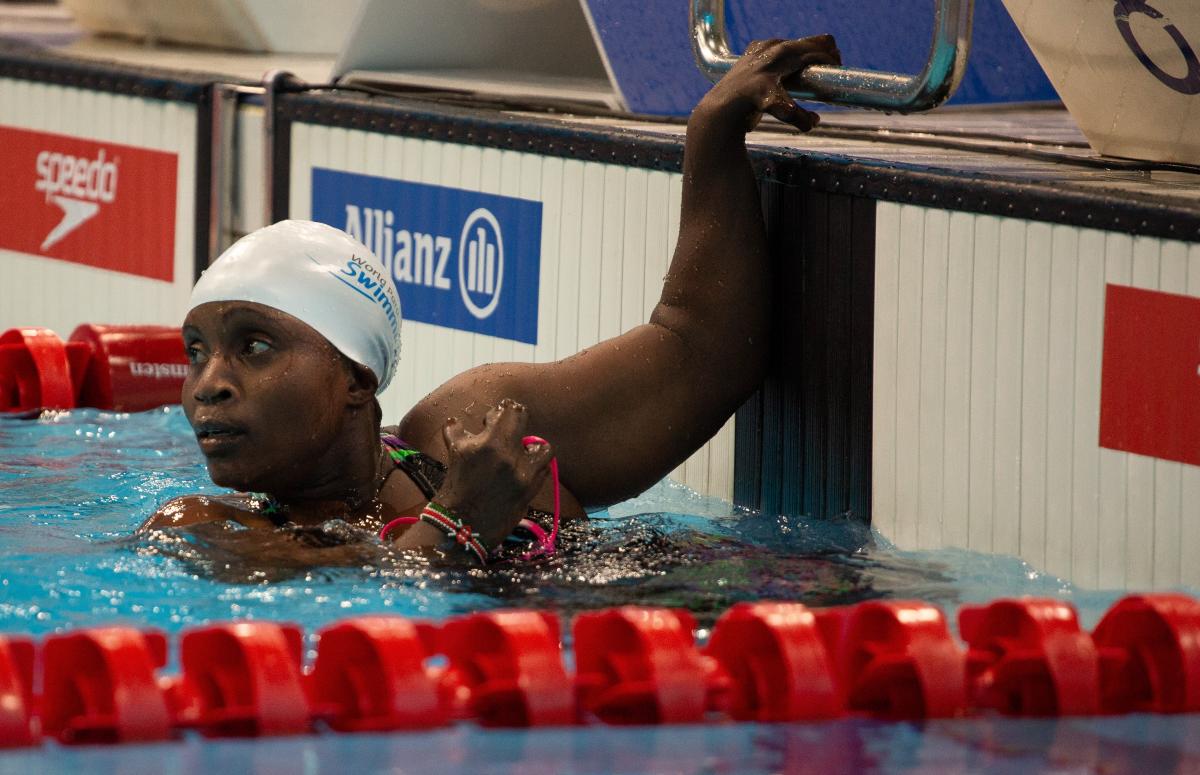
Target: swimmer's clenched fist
492,475
620,414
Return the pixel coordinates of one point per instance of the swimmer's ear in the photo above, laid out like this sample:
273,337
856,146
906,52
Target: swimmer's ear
362,384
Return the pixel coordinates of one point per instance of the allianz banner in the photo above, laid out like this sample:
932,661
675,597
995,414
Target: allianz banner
460,259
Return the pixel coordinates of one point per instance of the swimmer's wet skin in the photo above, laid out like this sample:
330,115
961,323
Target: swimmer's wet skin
295,328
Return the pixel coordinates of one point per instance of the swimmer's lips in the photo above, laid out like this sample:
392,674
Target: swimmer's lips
217,437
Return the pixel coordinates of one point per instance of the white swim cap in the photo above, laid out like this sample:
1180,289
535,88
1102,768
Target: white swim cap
320,275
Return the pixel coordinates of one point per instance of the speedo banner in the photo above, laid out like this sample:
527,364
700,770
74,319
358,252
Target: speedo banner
460,259
1150,380
100,204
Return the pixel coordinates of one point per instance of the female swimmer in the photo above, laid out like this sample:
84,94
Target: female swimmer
294,330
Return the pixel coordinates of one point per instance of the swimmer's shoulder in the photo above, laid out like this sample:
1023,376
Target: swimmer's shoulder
197,509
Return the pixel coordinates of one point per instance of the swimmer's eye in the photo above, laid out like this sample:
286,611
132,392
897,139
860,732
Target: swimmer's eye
257,347
195,355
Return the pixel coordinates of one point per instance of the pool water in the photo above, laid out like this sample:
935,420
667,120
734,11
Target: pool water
75,485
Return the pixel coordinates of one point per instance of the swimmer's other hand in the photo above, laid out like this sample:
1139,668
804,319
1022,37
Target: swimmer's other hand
759,81
492,476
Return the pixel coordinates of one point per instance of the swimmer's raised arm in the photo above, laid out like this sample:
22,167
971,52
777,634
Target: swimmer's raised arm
624,413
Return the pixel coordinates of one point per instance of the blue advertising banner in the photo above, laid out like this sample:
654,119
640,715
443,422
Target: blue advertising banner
648,45
460,259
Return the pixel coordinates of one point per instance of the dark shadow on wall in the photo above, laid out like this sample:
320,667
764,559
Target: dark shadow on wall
803,441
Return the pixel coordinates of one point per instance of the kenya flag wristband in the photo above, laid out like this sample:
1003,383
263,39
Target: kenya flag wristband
443,519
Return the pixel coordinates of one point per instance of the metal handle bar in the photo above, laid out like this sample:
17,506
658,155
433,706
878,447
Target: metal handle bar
847,85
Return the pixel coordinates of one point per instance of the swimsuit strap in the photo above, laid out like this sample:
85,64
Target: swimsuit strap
426,473
270,508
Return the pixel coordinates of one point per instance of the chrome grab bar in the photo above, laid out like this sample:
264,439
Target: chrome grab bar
851,86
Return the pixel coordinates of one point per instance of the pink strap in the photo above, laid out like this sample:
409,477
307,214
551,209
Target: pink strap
547,544
534,528
396,523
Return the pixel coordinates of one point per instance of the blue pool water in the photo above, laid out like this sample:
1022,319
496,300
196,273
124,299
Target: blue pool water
74,486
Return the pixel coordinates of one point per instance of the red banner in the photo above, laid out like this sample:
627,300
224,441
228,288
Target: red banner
101,204
1150,382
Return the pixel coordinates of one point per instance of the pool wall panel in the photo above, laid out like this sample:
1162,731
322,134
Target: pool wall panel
988,343
804,439
607,233
88,293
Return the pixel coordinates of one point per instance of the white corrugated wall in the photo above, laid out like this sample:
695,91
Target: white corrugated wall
607,237
988,344
82,293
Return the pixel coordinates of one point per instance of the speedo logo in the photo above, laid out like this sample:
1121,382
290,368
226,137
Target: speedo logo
77,185
424,259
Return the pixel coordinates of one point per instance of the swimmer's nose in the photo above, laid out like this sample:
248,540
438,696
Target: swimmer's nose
213,397
213,385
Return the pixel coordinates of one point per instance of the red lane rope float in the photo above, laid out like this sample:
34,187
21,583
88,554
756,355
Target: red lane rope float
370,676
130,368
763,662
100,686
1150,655
640,666
16,692
775,663
34,371
125,368
505,669
1029,658
895,659
243,680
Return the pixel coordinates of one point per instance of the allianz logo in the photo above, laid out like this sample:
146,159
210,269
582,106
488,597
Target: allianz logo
421,259
77,185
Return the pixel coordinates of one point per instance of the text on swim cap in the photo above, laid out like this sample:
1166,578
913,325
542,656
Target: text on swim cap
367,281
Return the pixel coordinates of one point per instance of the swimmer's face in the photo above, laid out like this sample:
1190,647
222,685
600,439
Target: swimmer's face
262,395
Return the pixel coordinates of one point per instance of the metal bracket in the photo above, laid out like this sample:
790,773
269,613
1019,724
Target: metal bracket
227,146
273,83
850,86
